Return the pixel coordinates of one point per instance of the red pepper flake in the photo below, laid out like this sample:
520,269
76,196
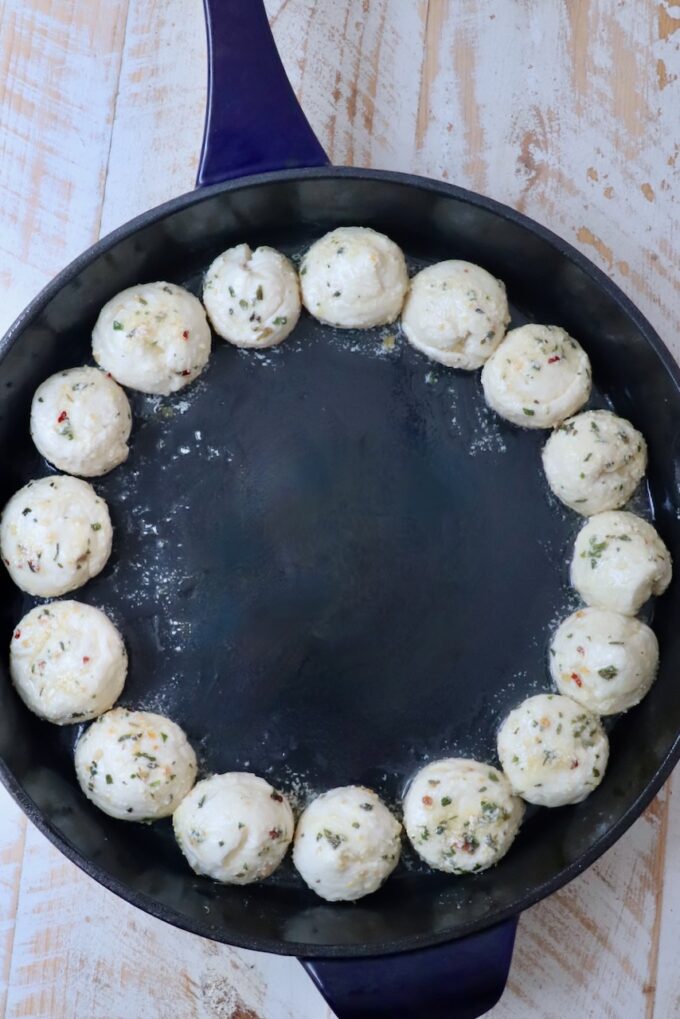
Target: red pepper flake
17,634
185,334
581,650
427,800
33,567
577,679
275,833
574,764
62,417
86,659
185,372
551,360
276,796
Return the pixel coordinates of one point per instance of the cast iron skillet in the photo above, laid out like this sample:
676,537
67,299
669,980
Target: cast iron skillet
331,562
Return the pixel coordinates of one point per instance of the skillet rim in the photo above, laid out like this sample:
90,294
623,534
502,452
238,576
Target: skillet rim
600,845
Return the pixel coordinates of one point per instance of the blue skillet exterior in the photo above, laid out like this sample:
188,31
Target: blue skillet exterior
484,543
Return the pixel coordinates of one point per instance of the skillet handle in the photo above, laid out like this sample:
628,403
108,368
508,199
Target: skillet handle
253,121
459,980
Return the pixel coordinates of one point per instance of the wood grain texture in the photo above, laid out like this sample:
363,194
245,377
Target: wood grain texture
565,110
79,951
59,66
157,131
12,839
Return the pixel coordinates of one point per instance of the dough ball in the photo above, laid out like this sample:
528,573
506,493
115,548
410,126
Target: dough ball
252,297
456,313
55,535
354,278
347,843
619,562
594,461
81,421
460,815
67,661
235,828
552,750
135,765
153,337
537,377
603,660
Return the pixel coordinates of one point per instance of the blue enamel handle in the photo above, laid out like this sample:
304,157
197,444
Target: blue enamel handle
460,980
253,121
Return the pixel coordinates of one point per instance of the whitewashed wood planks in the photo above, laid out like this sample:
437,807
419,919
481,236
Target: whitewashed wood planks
156,136
59,65
566,111
79,951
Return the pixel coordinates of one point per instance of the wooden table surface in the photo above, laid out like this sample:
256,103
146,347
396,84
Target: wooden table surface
565,109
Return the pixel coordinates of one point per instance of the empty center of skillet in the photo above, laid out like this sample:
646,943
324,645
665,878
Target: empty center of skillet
332,561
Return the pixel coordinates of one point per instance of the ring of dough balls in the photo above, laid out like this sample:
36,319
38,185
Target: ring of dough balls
594,461
153,337
346,844
252,297
603,660
234,827
135,765
552,750
55,535
619,562
456,313
67,661
354,278
537,377
460,815
81,421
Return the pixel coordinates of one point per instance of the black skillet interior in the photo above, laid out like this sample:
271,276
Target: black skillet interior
332,563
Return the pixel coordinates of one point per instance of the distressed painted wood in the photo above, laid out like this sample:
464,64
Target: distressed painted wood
59,67
12,841
567,111
79,951
156,136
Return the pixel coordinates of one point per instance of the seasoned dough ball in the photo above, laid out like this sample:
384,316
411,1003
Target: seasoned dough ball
235,828
347,843
252,297
552,750
153,337
67,661
456,313
80,422
461,815
619,562
135,765
354,278
55,535
603,660
537,377
594,461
